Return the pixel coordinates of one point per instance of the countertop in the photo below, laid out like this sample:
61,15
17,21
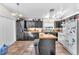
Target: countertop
32,31
47,36
35,30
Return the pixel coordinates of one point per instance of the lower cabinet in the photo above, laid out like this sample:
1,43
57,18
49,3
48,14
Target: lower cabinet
61,38
68,42
31,36
46,47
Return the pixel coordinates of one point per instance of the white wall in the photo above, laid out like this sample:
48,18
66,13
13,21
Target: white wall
5,12
7,27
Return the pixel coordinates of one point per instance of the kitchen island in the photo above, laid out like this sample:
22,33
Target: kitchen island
44,41
47,44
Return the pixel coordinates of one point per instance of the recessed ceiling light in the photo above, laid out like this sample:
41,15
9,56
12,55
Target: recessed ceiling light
13,14
20,15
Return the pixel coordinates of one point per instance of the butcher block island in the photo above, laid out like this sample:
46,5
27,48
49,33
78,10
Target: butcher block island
47,36
47,44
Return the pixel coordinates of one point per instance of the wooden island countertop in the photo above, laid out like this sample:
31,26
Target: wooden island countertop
47,36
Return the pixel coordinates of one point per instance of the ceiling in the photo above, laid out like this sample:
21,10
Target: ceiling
39,10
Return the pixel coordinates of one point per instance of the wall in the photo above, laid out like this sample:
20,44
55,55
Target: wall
5,12
7,27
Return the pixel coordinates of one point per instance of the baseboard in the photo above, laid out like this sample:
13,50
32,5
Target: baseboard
11,44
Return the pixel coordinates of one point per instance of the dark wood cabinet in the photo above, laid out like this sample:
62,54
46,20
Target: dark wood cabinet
38,24
58,24
33,24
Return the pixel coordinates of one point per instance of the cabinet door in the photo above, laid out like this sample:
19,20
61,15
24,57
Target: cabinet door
60,38
36,24
73,38
30,24
40,24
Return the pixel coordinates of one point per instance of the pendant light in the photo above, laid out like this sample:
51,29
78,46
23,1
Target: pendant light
51,11
19,15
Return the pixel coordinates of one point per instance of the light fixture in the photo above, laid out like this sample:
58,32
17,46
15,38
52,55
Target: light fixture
14,14
46,16
50,14
17,15
20,15
51,11
18,18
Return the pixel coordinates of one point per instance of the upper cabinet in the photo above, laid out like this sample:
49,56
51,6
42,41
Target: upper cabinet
58,24
33,24
38,24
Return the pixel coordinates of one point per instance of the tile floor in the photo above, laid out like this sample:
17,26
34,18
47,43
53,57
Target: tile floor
27,48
